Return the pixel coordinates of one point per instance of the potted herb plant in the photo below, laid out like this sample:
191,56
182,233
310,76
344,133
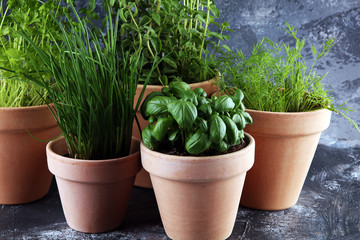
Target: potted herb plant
197,155
24,176
290,109
179,33
96,160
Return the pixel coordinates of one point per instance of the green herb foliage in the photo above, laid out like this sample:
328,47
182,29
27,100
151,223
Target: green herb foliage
33,17
94,92
275,77
188,120
173,29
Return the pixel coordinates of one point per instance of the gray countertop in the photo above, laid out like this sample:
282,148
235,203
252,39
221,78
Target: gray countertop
328,208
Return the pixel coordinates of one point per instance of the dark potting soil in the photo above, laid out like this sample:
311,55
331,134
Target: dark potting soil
175,149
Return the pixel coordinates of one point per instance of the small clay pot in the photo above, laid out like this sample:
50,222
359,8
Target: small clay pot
143,178
24,175
198,197
285,147
94,193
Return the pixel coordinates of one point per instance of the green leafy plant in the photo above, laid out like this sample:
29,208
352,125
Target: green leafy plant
275,77
176,30
33,17
94,89
188,120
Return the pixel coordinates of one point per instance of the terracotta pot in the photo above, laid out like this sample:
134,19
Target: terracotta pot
143,178
285,147
94,193
198,197
24,176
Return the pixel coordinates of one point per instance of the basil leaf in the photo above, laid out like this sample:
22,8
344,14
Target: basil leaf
239,120
179,89
237,98
197,143
232,131
224,104
247,117
222,146
161,128
200,92
217,129
157,106
183,112
148,139
145,102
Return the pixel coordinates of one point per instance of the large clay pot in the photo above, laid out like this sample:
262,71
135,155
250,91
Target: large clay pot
143,178
198,197
285,147
24,175
94,193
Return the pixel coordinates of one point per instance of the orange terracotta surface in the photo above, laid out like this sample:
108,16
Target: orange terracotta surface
143,178
198,197
94,193
285,147
24,175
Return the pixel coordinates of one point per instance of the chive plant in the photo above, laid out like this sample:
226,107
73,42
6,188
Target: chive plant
275,77
94,89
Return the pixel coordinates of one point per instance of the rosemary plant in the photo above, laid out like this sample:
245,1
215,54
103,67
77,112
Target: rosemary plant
94,91
275,77
177,31
33,17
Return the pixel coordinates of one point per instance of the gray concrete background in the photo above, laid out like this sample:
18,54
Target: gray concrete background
316,21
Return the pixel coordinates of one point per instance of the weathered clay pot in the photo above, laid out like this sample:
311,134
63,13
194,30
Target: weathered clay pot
24,176
143,178
94,193
285,147
198,197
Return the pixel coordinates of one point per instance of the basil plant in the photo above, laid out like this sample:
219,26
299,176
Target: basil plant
187,120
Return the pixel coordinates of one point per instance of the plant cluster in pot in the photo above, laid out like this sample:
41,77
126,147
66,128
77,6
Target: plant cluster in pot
96,160
290,108
178,32
197,155
24,116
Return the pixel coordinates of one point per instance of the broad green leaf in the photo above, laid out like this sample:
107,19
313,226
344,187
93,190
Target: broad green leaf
224,103
148,139
221,146
239,120
206,109
214,10
197,143
157,106
232,131
217,129
247,117
156,18
200,92
147,99
161,128
183,112
237,98
144,20
202,123
179,88
173,134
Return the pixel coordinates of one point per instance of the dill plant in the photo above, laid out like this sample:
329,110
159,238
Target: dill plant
33,17
94,89
275,77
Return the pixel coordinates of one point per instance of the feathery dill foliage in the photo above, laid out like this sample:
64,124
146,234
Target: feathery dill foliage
33,17
95,89
275,77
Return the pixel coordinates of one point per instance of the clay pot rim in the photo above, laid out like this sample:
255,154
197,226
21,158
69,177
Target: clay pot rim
287,113
204,158
69,160
27,108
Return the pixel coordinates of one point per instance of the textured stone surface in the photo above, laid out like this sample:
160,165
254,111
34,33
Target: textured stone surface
327,209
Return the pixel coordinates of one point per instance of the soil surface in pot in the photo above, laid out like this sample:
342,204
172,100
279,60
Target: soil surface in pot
177,149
